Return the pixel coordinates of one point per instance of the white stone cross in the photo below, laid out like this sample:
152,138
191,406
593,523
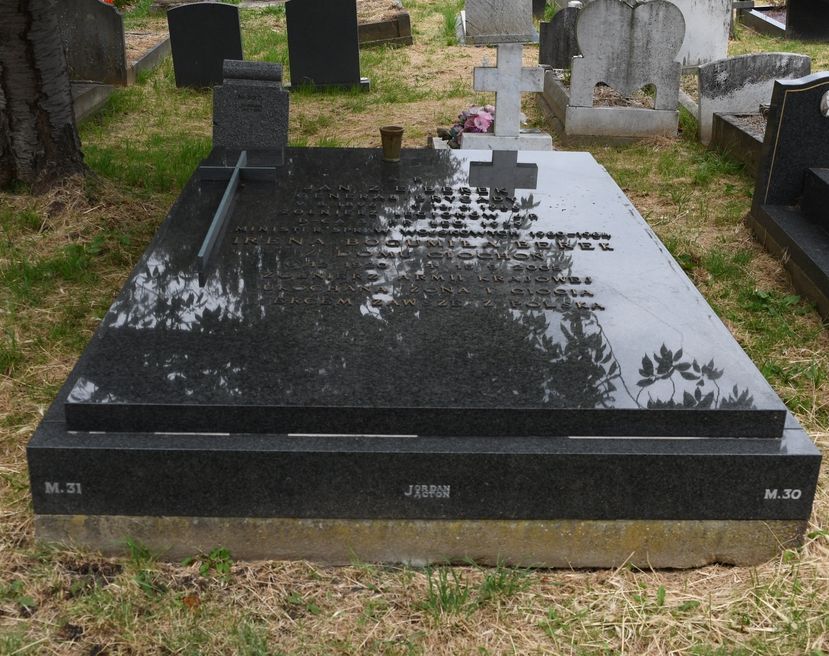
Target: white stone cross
508,80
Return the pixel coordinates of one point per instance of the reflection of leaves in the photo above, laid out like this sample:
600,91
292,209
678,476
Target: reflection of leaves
738,399
710,372
666,363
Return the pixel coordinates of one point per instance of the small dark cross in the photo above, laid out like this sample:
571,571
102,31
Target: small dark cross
233,175
503,172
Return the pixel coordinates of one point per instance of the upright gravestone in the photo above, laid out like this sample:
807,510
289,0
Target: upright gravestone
498,21
557,42
508,79
455,356
93,37
323,44
789,209
707,30
202,36
250,109
741,84
807,19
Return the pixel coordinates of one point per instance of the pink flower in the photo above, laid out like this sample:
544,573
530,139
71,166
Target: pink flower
482,121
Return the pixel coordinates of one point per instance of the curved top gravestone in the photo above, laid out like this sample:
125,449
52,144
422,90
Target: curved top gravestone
93,37
742,84
557,44
202,36
628,44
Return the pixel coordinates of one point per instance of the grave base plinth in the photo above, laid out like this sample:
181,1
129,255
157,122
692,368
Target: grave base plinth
548,543
526,140
607,123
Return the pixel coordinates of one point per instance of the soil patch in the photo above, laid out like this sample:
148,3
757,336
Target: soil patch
376,11
753,124
138,43
605,96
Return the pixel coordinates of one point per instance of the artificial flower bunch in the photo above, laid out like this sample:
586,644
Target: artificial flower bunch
474,119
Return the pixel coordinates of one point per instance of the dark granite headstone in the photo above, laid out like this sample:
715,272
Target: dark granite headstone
93,37
323,44
796,140
807,19
250,110
815,201
202,36
558,44
539,6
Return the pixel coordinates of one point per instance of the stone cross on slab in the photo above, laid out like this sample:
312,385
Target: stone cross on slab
503,172
508,80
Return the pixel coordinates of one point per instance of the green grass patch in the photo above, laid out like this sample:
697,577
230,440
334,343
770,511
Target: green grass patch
161,163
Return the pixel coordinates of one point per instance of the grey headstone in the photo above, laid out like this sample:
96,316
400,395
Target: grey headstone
707,28
250,110
499,21
558,44
93,37
202,36
628,44
741,84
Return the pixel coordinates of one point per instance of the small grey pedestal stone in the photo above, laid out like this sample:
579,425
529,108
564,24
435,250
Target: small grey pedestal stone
250,110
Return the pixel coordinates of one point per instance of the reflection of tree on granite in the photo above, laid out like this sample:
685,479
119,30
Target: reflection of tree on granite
580,370
235,339
670,364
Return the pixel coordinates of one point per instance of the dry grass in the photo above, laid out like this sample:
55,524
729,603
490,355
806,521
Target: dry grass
61,601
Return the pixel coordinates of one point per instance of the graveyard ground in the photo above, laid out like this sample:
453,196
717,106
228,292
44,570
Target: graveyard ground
63,257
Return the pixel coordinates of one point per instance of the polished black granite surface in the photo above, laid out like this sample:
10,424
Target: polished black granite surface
353,296
372,340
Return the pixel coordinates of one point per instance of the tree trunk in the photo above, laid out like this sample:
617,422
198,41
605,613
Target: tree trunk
39,143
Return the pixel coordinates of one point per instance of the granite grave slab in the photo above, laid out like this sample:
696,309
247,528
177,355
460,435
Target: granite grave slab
786,215
323,44
202,36
492,350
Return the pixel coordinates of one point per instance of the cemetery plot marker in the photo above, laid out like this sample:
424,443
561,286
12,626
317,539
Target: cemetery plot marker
384,352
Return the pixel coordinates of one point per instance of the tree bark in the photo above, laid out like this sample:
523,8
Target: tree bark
39,143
